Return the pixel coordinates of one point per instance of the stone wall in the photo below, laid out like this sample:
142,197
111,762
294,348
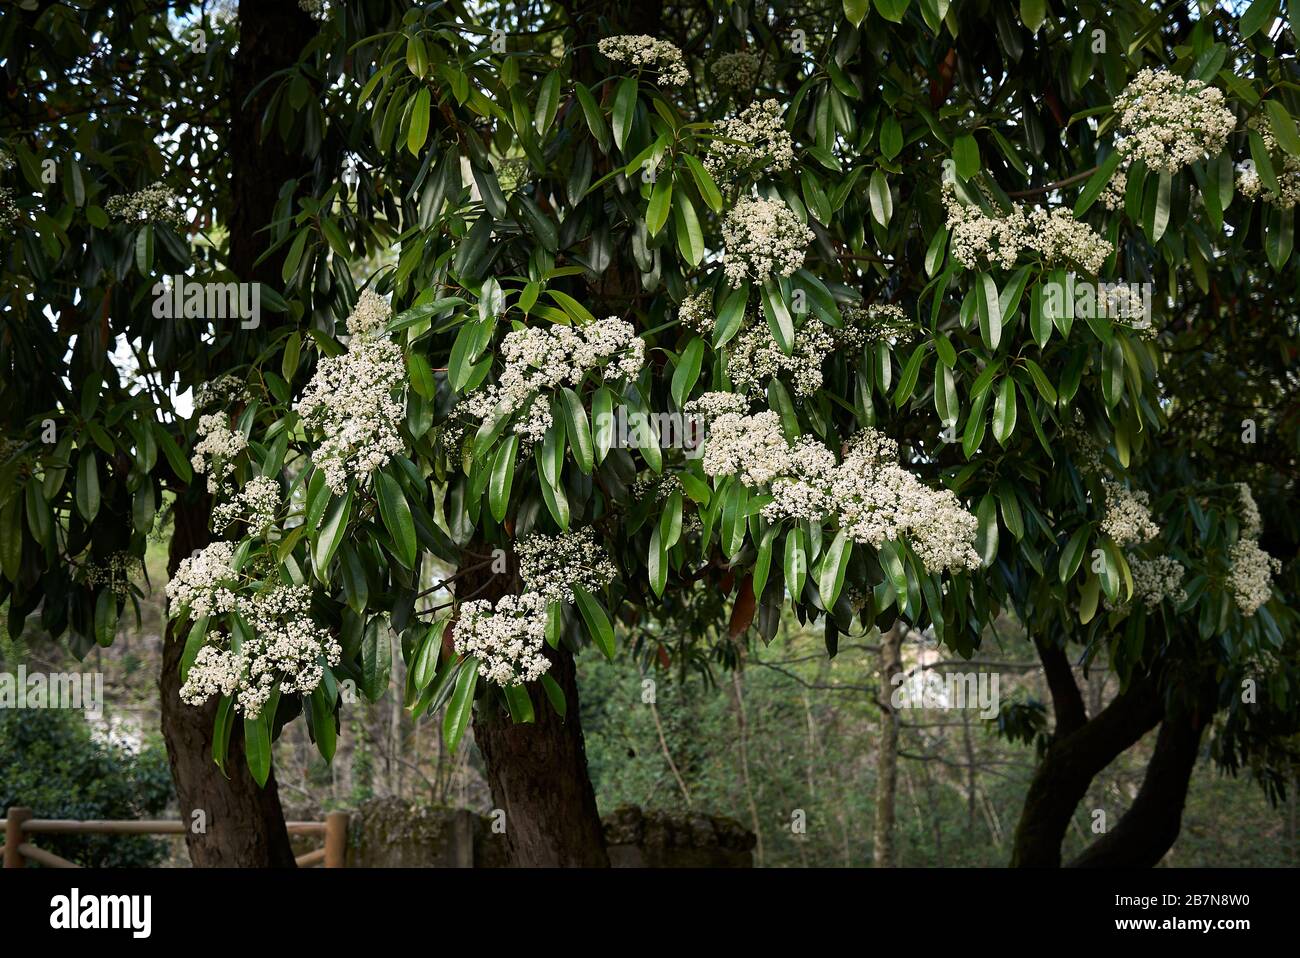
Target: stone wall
392,833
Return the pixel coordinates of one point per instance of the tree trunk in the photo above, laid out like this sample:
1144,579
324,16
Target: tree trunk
891,663
1151,825
538,771
242,824
1079,750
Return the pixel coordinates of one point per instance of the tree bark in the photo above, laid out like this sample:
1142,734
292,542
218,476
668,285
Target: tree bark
1075,757
538,771
243,825
1151,825
891,663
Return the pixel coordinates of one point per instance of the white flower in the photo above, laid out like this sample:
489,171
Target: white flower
1250,575
1128,515
978,238
552,565
764,145
763,238
879,322
506,640
696,313
1158,579
153,204
1286,167
10,215
1168,122
710,406
736,71
202,582
755,357
350,401
256,505
215,452
538,361
643,51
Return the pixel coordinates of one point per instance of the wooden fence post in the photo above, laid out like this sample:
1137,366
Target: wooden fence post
14,819
336,839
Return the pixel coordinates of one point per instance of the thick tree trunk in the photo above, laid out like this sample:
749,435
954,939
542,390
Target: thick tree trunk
1079,750
538,771
538,776
891,663
242,824
1150,827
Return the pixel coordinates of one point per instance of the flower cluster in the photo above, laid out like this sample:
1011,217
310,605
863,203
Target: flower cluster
507,640
763,238
979,238
318,9
224,391
643,51
879,322
10,215
710,406
115,573
1249,518
539,360
256,505
736,71
153,204
755,357
1128,515
349,399
1158,579
1286,168
762,143
1250,574
286,649
869,495
696,313
215,452
656,486
552,566
202,582
1168,122
7,160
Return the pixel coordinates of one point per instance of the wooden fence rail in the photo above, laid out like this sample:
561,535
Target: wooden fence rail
19,823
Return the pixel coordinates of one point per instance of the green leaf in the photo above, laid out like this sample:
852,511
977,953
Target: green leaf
1160,220
555,694
731,314
1004,411
593,615
907,381
396,513
595,119
144,250
1097,183
687,371
704,183
331,536
986,535
1257,15
418,131
1283,127
661,204
87,486
577,429
503,475
548,101
796,562
461,707
657,561
778,316
835,563
856,10
690,238
1032,13
989,309
519,702
422,378
624,110
376,660
966,154
257,747
323,722
1072,555
882,201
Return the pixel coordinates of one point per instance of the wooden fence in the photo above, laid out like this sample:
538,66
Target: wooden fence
19,823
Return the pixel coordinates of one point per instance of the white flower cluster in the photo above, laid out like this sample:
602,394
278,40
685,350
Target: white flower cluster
539,360
869,495
1155,580
710,406
318,9
652,485
202,582
643,51
153,204
286,648
1168,122
696,313
349,399
10,215
879,322
256,505
115,573
1286,167
1054,235
1128,515
7,160
1251,575
1112,196
736,71
755,357
552,565
763,238
506,640
223,391
1249,518
215,452
764,145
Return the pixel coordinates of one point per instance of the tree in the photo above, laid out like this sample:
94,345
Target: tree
868,247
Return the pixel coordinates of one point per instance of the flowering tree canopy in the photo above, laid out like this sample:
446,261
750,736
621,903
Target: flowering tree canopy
867,310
